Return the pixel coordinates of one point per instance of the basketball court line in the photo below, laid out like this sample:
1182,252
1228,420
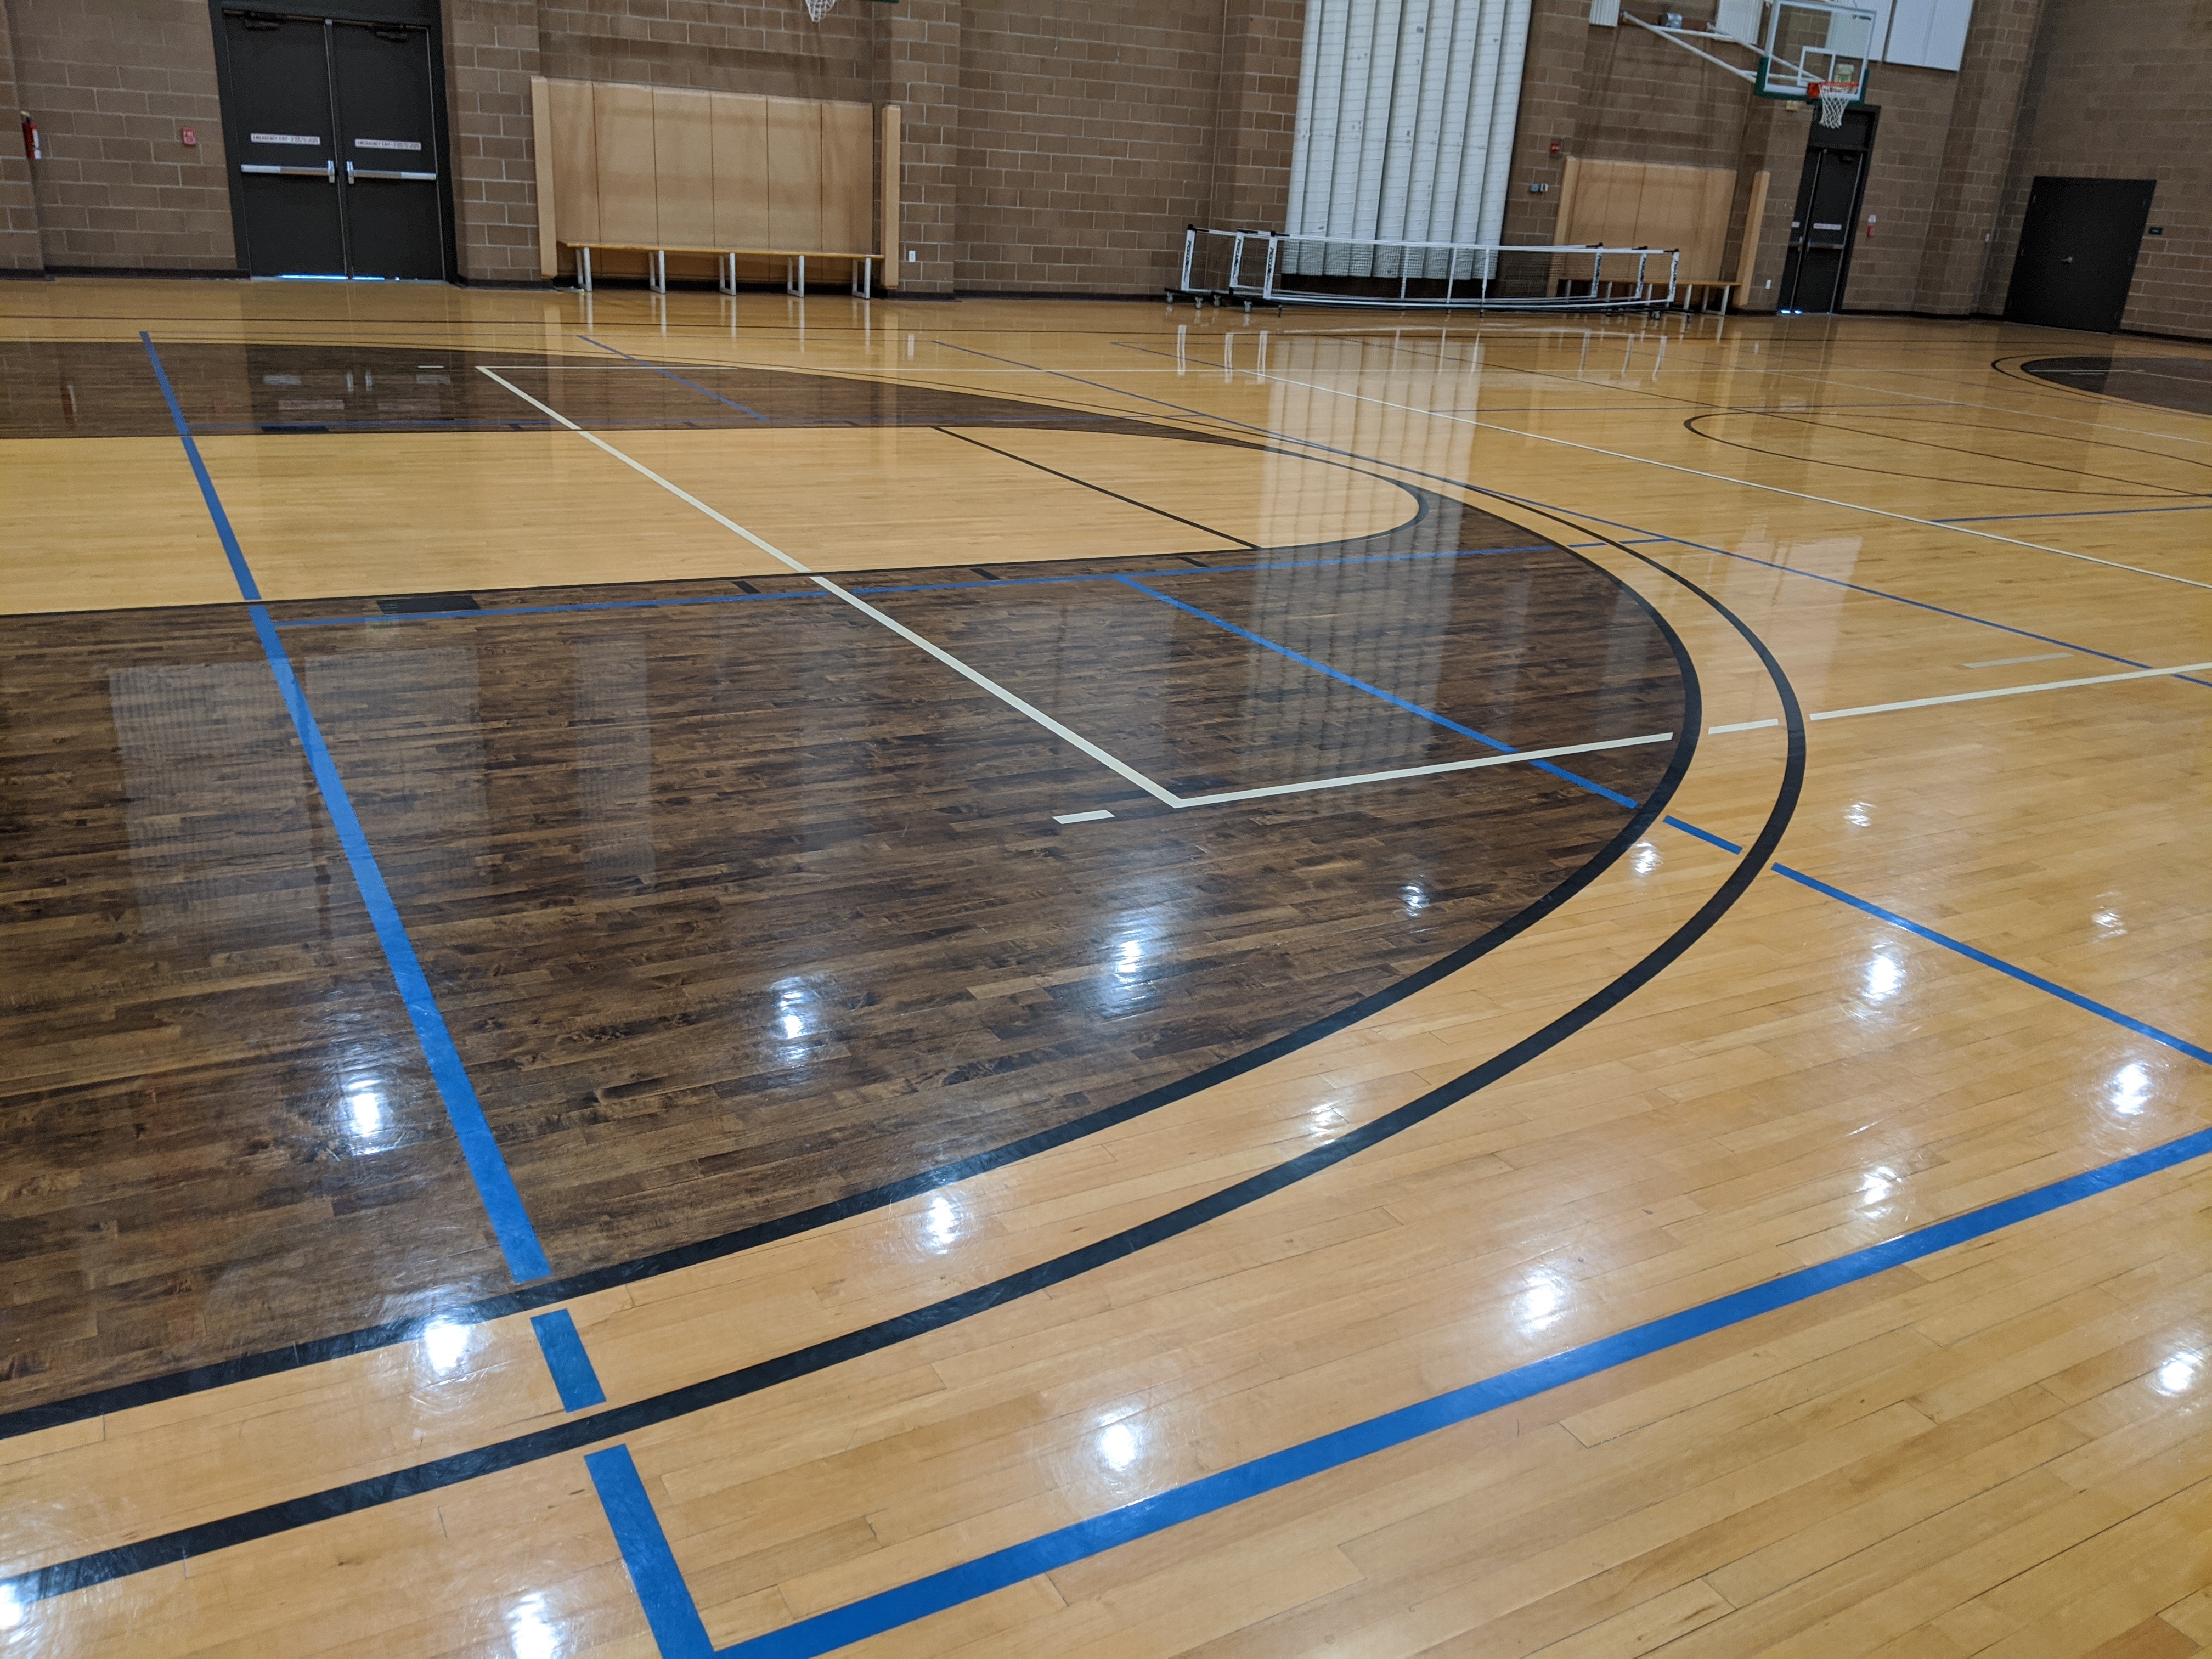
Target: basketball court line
1641,533
487,1166
1695,473
672,1613
1159,792
2185,668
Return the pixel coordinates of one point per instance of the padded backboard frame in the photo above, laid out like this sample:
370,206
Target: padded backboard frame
1807,41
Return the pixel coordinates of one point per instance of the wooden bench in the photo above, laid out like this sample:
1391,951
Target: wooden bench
656,266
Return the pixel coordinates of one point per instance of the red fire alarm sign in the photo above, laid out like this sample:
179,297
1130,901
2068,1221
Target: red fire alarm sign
187,137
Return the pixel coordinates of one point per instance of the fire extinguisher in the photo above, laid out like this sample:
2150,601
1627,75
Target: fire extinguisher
31,151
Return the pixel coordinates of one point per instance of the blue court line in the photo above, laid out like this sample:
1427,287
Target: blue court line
731,402
1545,507
673,1614
562,1345
1429,714
910,588
1958,946
510,1221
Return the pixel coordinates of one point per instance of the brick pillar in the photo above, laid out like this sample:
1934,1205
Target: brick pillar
491,52
1551,93
19,207
1977,153
1774,139
1258,113
918,68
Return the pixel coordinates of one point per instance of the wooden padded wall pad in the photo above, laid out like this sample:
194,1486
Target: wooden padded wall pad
646,166
1649,204
794,175
576,156
684,166
622,118
848,146
741,172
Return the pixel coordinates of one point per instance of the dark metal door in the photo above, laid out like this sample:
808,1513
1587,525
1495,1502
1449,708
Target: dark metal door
388,149
2077,252
289,194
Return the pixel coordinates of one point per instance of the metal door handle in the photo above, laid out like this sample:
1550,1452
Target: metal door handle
328,171
2067,260
382,172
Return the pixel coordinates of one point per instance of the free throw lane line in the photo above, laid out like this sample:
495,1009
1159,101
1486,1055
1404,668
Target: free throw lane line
1027,709
1975,697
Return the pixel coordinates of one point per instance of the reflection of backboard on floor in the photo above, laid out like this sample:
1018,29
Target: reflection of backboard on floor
1816,52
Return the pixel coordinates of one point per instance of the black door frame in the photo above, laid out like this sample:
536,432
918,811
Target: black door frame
1872,112
420,14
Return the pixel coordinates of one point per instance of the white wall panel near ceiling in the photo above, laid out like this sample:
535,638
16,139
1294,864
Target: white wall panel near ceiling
1405,130
1929,34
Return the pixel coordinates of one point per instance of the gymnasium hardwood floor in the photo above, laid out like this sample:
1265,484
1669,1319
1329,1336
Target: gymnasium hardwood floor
1029,978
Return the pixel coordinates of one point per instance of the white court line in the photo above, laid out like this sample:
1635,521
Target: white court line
2008,662
1080,817
1422,771
861,606
1694,472
1165,796
1972,697
2010,691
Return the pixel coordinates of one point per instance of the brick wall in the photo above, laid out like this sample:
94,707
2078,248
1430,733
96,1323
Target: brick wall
19,207
492,49
111,84
1261,43
1086,142
2119,91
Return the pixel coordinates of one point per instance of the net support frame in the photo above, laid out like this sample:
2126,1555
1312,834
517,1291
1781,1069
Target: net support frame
1654,285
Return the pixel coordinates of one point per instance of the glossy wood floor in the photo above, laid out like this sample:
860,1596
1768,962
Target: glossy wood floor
1276,1219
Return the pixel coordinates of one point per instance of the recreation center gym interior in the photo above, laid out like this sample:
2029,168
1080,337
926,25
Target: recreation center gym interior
1126,827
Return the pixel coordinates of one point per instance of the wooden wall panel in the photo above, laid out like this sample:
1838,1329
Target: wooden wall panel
1651,204
622,124
1754,218
848,143
684,166
794,175
740,170
569,107
888,272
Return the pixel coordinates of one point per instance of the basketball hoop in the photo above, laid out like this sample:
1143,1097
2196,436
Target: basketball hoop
819,10
1834,98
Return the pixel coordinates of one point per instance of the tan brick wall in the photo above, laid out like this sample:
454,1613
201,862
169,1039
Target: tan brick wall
1261,43
492,49
19,207
110,84
2119,91
1086,142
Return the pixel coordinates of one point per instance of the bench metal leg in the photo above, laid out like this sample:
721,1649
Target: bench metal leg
728,270
657,273
863,268
794,276
584,269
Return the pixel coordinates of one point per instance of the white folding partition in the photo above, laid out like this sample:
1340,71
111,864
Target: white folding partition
1405,130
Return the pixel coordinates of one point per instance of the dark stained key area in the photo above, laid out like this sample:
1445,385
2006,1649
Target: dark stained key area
107,389
2181,383
735,902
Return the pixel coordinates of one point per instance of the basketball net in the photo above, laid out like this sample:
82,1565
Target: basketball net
1834,98
819,10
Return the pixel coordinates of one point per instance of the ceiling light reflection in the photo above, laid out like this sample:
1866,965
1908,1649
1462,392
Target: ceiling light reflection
530,1632
1644,858
445,1343
2130,1089
2179,1373
1884,978
365,1112
1118,1447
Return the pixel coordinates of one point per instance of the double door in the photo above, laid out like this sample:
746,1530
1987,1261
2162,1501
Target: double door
1825,226
334,136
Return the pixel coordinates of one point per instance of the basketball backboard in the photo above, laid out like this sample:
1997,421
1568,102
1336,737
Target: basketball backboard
1807,43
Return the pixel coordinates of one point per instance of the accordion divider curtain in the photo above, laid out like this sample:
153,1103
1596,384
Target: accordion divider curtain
1405,131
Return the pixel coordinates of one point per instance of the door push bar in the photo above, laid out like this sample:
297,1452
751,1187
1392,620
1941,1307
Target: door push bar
353,172
328,171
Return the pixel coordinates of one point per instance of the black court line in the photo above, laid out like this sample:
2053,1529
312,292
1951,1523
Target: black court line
317,1350
1159,512
270,1520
